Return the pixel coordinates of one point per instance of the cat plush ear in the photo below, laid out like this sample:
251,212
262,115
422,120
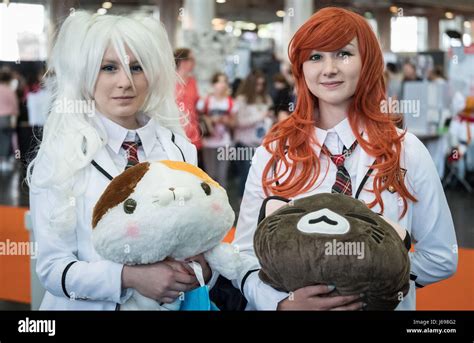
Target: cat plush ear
270,205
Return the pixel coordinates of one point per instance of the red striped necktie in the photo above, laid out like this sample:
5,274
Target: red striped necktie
343,179
131,148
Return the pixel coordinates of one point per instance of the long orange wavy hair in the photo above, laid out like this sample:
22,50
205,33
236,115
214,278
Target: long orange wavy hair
330,29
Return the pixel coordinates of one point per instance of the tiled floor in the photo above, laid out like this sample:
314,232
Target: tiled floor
14,192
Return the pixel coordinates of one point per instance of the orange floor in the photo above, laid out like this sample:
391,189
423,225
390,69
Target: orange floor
455,293
14,269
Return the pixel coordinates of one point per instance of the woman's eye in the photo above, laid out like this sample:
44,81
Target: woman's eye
136,69
206,188
344,54
315,57
129,206
108,68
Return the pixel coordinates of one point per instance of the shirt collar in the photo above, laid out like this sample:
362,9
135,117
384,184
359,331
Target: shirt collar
342,129
147,133
117,134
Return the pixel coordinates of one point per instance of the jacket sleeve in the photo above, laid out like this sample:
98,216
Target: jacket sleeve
436,253
259,295
59,269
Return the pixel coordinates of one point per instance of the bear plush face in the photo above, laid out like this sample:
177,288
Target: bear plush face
157,210
336,240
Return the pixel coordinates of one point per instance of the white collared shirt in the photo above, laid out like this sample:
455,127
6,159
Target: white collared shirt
151,148
428,221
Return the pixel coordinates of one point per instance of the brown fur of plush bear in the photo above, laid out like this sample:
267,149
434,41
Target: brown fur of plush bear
293,256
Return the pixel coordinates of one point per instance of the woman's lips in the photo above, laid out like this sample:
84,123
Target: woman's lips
332,84
124,99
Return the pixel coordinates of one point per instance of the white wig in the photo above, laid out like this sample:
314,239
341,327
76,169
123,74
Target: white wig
71,139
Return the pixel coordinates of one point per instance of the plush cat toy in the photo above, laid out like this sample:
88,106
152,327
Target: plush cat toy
164,209
336,240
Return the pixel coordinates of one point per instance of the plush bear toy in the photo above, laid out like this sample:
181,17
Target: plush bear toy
336,240
164,209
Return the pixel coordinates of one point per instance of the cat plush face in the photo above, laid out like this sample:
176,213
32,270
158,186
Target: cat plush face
332,239
157,210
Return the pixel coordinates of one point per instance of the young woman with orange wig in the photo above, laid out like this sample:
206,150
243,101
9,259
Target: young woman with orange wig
338,68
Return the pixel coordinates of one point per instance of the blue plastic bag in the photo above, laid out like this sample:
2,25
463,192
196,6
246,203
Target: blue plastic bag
198,299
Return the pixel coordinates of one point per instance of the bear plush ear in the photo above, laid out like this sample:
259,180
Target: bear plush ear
270,205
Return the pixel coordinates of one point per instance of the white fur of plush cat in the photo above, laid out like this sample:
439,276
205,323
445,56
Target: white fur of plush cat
173,217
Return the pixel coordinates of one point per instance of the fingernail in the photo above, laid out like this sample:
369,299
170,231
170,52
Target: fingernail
331,288
361,295
364,304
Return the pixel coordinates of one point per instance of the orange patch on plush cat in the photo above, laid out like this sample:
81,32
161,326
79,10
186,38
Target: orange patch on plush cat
198,172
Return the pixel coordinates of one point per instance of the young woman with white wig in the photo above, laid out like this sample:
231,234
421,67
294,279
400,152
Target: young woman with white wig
112,80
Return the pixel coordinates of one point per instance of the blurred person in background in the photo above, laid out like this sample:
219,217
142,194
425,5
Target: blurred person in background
282,97
217,113
187,95
9,110
409,72
437,75
393,81
253,119
461,134
38,101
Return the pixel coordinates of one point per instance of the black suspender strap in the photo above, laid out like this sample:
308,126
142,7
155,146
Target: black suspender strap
413,278
63,278
181,151
242,284
274,172
102,170
364,180
275,164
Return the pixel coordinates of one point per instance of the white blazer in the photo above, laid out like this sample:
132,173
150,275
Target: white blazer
428,221
90,283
